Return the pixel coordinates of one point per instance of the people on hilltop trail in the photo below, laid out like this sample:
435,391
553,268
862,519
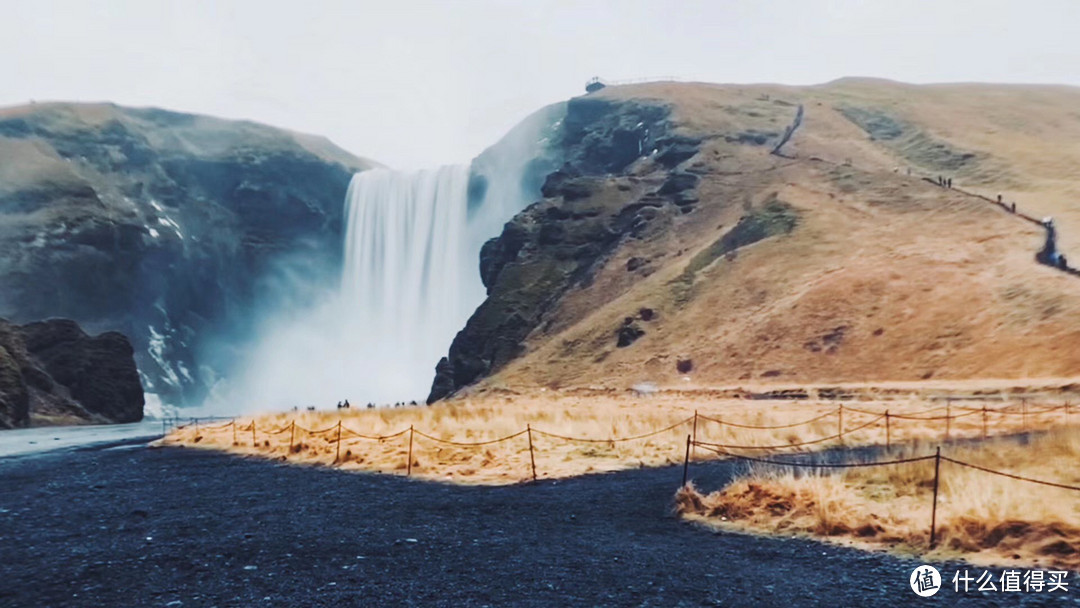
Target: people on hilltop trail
1013,209
949,183
1049,254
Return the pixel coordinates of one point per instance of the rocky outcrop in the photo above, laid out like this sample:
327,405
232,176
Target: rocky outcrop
53,372
590,204
14,395
181,231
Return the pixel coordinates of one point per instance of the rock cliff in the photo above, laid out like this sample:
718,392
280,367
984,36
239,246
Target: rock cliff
52,372
677,244
177,230
590,204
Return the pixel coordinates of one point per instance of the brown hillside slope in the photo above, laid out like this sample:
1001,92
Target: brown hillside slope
164,226
884,277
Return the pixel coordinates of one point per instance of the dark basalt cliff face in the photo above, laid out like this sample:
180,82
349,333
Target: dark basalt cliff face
177,230
52,372
590,204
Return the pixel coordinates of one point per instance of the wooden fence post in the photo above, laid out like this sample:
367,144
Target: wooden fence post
408,467
933,509
337,457
686,461
948,418
292,436
252,432
984,421
694,442
888,432
840,423
196,427
532,456
234,431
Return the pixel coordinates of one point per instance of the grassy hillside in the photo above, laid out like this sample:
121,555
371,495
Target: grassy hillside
837,262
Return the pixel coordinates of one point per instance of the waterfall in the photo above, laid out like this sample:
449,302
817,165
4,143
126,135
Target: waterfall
409,282
410,279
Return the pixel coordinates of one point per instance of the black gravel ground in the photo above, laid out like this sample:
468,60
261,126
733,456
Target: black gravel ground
172,527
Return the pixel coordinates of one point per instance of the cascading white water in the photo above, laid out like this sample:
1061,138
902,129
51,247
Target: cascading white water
409,282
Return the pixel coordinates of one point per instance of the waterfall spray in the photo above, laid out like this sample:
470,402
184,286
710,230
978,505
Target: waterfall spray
410,279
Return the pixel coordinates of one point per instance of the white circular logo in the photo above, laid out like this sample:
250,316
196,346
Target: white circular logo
925,581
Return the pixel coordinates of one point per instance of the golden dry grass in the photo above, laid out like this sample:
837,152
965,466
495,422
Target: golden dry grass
885,278
593,415
982,518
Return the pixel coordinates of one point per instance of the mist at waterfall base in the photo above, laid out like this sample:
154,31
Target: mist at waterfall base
408,280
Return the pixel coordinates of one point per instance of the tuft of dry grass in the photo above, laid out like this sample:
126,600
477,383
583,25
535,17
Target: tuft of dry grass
597,416
982,518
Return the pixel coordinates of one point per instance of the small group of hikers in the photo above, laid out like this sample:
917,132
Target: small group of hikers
1049,254
343,405
1011,206
946,182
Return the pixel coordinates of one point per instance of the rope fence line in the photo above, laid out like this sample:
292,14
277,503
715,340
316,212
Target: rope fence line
936,457
343,432
618,439
792,445
1023,413
370,437
818,465
1010,475
919,417
468,443
321,432
692,443
779,426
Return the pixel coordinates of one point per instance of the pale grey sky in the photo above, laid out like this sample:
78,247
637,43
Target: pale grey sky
418,83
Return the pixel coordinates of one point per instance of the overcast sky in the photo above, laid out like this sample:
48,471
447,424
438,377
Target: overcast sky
414,84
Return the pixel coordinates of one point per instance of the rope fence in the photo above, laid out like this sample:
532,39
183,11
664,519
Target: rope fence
339,432
771,428
837,436
618,439
936,457
469,443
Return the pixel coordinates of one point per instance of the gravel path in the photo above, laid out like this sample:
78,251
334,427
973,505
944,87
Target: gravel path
131,526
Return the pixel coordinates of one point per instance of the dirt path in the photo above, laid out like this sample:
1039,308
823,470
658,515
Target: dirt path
174,527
